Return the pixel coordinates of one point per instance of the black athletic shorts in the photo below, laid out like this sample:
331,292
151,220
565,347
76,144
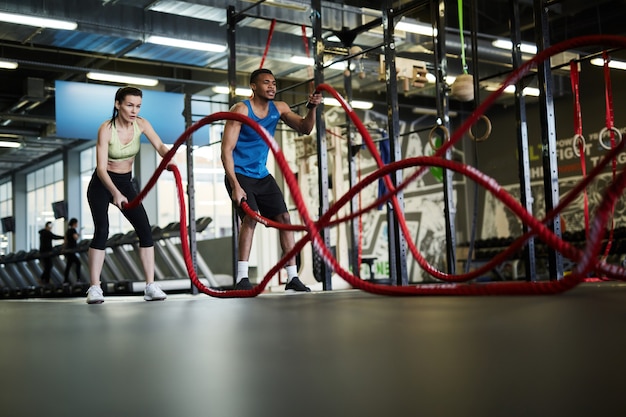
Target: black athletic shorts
263,195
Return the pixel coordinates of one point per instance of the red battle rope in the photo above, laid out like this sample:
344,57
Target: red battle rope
586,259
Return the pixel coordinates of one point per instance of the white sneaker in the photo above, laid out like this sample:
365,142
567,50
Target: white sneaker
94,295
153,293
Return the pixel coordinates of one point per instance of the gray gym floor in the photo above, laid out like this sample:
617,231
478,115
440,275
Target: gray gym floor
339,353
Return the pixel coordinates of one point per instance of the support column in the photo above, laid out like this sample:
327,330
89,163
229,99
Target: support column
526,197
191,193
321,271
352,178
443,108
397,245
232,18
548,134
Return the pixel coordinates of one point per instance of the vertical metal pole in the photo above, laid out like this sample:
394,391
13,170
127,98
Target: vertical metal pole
352,177
397,245
232,85
526,197
548,134
191,193
322,271
443,108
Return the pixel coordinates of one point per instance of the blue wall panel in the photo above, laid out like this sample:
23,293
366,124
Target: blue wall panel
81,108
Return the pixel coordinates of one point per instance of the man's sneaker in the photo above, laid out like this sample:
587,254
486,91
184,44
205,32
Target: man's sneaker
94,295
296,285
244,284
153,293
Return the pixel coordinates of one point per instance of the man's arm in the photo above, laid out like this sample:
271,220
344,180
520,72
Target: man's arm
303,125
229,141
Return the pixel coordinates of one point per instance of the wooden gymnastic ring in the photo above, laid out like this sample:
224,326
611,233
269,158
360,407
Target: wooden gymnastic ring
487,131
575,141
446,134
603,131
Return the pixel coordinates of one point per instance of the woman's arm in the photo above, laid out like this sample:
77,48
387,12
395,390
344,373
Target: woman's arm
153,137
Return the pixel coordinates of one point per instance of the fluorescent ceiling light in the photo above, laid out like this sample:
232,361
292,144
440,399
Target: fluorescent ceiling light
8,144
244,92
530,91
612,63
510,89
122,79
524,47
418,28
286,4
183,8
527,91
431,78
355,104
302,60
180,43
39,22
8,64
340,66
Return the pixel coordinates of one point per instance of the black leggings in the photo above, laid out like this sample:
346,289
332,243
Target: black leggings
99,199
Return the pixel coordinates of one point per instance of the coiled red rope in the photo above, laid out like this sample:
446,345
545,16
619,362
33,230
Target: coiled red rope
586,259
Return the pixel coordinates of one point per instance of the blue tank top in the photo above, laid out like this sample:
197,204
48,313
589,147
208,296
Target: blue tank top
250,153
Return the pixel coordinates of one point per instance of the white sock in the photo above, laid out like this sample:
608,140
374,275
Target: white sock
292,271
242,270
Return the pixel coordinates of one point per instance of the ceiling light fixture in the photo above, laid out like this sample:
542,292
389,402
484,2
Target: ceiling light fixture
526,48
355,104
122,79
285,4
418,28
510,89
39,22
8,64
183,8
9,144
244,92
302,60
599,62
180,43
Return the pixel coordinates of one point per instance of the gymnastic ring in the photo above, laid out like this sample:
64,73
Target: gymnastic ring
432,132
603,131
487,131
575,141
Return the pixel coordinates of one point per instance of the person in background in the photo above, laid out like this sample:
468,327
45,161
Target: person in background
244,155
111,183
45,248
69,246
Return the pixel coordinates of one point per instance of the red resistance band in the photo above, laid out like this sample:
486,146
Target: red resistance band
267,44
579,139
611,128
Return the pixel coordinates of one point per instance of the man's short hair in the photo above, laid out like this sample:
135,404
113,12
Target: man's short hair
258,72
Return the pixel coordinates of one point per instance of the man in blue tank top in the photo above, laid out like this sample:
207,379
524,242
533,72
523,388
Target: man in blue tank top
244,155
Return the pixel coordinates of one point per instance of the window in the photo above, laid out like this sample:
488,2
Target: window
43,187
6,210
211,198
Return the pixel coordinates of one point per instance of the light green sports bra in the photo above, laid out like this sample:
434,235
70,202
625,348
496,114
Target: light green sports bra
119,152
